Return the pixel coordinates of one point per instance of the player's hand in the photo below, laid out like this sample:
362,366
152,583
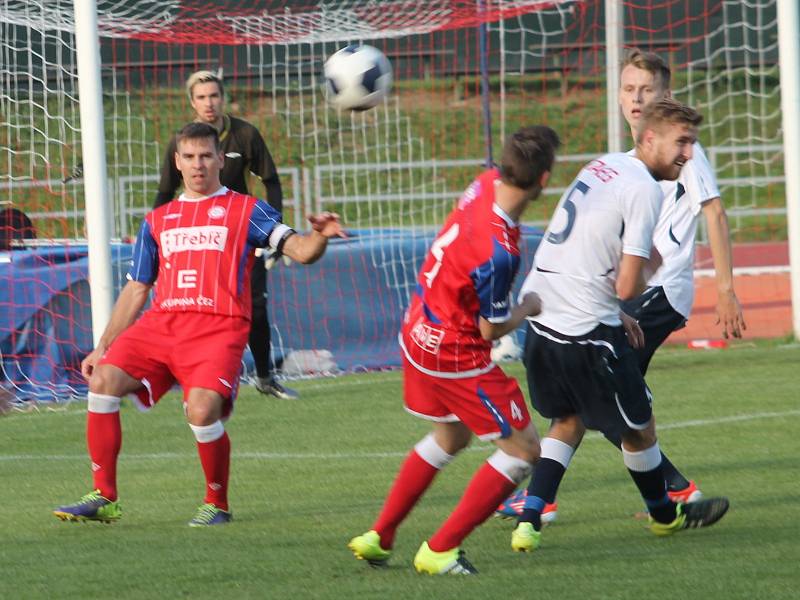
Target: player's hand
327,223
88,363
729,315
532,304
632,330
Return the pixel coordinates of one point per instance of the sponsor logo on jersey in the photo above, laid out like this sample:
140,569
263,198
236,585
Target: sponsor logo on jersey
172,216
233,155
182,239
426,337
199,301
500,304
187,278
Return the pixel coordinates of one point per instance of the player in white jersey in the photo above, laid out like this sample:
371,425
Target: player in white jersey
582,371
667,302
197,251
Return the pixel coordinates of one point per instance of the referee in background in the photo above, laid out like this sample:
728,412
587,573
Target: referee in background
244,150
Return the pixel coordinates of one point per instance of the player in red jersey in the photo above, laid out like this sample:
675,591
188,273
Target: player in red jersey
197,252
462,303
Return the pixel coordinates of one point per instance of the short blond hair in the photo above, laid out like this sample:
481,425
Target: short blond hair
203,77
666,110
650,62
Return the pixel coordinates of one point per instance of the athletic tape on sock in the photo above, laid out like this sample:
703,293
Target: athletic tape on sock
644,460
432,453
102,404
557,450
512,468
208,433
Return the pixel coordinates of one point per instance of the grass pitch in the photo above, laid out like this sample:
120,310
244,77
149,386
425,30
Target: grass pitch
308,475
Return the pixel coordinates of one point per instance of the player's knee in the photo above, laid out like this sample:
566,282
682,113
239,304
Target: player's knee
514,468
102,382
637,440
201,415
452,437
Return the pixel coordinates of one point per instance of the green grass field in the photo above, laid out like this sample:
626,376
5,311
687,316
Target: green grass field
307,476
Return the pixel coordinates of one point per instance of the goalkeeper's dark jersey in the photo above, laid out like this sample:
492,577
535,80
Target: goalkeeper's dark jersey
244,151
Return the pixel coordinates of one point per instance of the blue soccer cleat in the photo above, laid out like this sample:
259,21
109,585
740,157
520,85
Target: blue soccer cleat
92,507
511,507
208,515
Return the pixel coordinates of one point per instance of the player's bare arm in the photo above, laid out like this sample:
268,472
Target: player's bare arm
127,308
309,247
530,306
729,311
634,273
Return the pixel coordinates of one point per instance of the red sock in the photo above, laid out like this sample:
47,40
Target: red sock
415,476
483,494
104,439
215,457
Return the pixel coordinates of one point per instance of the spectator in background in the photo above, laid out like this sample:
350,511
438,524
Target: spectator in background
245,151
14,225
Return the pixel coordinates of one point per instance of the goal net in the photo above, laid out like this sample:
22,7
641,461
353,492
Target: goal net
393,172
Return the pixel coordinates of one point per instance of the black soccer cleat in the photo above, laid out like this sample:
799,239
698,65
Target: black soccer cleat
702,513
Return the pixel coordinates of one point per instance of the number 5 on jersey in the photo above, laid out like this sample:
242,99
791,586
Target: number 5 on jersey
437,250
569,206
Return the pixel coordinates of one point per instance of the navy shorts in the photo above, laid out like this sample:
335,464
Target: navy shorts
657,319
594,376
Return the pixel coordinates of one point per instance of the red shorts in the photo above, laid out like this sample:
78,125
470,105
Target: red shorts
194,349
491,404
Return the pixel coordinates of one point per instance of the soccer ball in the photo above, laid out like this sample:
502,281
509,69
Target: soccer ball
506,349
357,77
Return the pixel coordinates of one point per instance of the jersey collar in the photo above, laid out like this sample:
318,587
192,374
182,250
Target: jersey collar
220,192
504,215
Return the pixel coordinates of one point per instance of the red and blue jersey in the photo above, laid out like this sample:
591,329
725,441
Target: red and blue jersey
467,274
199,252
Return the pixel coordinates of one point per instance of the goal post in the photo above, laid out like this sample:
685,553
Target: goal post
789,41
93,143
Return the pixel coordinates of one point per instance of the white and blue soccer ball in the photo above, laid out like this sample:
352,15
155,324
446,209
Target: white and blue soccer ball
357,77
506,349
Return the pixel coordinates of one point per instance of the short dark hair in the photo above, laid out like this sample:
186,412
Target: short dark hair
650,62
527,155
666,110
196,131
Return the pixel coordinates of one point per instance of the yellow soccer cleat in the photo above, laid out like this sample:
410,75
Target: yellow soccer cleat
525,538
368,547
449,562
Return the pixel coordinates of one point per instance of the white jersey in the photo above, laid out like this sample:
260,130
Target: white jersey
675,232
610,209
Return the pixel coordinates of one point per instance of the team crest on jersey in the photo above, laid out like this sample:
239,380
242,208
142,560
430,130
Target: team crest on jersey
426,337
216,212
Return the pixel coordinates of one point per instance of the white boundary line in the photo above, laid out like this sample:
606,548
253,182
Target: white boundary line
373,455
765,270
